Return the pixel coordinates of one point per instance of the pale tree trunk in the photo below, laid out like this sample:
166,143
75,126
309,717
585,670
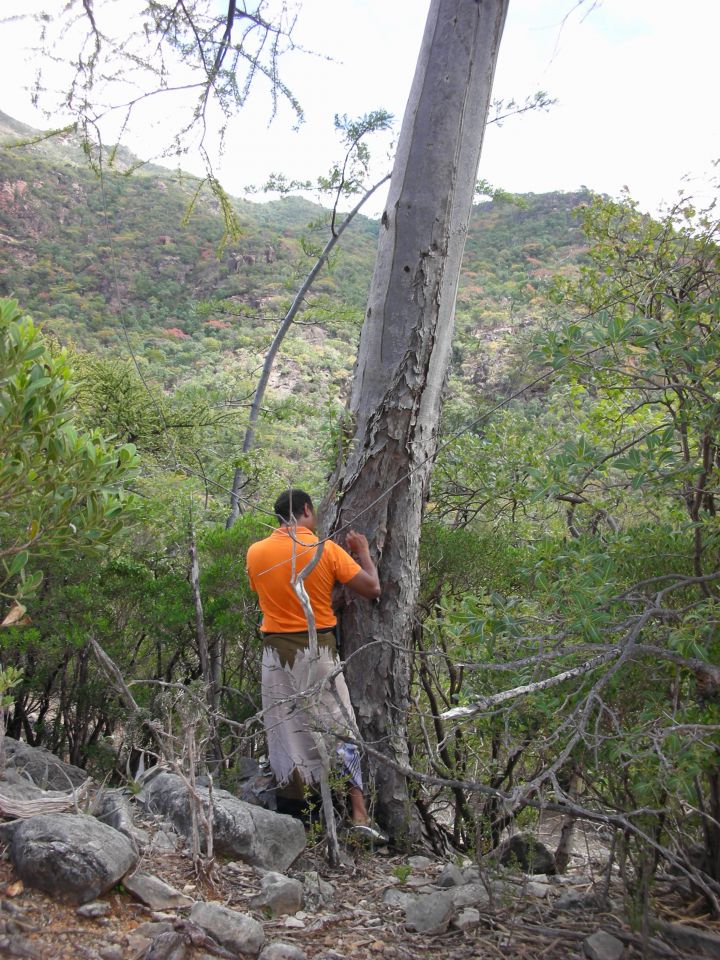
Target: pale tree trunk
402,365
209,656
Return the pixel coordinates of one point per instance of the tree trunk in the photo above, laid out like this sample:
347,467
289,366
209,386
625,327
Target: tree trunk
209,656
403,360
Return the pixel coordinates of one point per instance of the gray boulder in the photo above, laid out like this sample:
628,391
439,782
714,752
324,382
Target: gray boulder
16,787
467,920
237,932
113,808
393,897
282,951
154,892
70,856
94,909
170,945
430,913
471,895
526,852
451,876
265,839
703,943
603,946
279,893
319,894
40,766
590,900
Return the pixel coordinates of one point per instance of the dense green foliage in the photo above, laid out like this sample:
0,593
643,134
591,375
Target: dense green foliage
601,494
61,488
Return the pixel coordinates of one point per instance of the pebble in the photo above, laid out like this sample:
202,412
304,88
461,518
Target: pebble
467,919
112,952
9,907
451,876
281,951
535,889
603,946
93,910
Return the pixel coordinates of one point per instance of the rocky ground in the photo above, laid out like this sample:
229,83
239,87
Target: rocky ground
285,906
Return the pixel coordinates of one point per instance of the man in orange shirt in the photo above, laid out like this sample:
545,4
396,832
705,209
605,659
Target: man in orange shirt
288,669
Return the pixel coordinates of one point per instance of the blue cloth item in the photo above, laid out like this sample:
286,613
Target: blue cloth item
350,757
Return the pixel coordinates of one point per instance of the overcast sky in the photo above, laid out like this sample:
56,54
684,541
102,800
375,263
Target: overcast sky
635,80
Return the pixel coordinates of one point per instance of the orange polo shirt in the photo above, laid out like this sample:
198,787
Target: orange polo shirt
269,567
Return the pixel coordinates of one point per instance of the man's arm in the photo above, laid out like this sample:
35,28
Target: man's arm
366,582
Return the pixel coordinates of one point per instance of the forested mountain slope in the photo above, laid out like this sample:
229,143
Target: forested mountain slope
95,257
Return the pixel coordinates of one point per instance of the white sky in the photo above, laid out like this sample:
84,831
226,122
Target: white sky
635,80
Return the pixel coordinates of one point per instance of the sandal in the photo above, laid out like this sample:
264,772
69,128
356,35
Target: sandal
369,831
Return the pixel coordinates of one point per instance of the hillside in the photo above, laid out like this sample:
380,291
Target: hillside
134,258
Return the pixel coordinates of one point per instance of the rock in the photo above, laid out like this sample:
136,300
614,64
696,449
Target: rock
603,946
429,914
527,853
164,841
579,900
467,919
282,951
70,856
113,808
40,766
294,922
255,784
535,889
94,909
168,946
232,930
417,883
136,945
260,837
111,952
690,939
471,874
17,787
281,894
18,946
151,929
318,892
397,898
153,892
7,906
451,876
471,895
419,862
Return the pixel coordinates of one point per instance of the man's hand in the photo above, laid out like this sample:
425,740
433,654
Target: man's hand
357,542
366,583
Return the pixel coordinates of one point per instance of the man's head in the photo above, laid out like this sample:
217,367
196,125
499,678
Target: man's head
295,506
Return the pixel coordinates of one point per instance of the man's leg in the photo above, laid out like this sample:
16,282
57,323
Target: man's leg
357,803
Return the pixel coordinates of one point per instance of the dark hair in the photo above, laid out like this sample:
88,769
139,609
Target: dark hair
290,504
